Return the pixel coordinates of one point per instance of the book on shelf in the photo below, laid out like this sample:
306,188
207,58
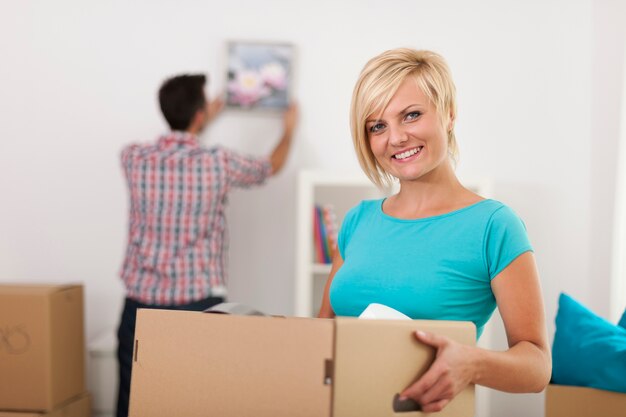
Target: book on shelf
324,233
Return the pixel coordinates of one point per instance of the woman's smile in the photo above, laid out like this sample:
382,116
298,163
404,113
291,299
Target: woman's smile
408,155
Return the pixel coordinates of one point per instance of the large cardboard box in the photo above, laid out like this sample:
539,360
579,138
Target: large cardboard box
42,353
567,401
198,364
76,407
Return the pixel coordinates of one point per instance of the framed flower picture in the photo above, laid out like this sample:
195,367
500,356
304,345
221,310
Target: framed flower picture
259,75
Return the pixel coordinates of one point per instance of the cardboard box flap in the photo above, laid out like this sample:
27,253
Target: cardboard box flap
67,342
34,289
373,363
276,364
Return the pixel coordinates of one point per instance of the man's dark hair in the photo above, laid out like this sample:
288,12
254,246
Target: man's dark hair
180,98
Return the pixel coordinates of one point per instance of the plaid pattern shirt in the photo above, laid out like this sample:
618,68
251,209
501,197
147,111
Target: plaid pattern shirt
177,237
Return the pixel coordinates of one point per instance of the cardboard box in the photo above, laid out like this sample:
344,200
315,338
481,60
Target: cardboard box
199,364
76,407
42,353
567,401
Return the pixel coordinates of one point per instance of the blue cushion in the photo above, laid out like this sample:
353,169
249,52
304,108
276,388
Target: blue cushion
622,321
588,350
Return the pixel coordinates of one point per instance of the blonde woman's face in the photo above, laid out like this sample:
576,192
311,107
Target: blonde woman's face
408,138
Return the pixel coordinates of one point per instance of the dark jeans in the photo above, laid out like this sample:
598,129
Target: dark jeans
126,340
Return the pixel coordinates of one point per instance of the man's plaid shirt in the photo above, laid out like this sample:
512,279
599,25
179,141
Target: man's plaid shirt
177,238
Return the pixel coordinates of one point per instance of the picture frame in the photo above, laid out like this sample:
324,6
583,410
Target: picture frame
259,75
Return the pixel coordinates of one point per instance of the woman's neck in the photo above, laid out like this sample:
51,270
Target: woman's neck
433,195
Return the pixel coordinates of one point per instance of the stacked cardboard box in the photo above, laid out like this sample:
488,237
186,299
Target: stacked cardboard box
42,351
197,364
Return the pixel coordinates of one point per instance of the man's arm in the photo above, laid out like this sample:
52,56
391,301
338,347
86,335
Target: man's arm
281,151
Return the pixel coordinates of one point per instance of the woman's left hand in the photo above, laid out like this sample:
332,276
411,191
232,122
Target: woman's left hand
448,375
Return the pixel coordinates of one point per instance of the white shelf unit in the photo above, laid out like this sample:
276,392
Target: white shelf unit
342,191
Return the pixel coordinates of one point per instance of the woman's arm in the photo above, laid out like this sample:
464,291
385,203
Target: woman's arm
518,294
326,311
525,367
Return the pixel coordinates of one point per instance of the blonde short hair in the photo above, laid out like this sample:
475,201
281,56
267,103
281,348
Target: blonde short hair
378,82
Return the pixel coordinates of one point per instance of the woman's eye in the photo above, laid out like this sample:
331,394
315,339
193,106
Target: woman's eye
412,116
376,127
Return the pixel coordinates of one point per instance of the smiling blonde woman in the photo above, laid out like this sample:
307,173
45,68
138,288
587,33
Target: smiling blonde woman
435,250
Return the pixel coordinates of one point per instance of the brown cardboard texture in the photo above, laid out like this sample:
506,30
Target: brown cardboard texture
568,401
198,364
76,407
42,354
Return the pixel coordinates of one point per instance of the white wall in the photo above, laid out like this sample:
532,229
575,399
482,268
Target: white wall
609,36
78,81
618,282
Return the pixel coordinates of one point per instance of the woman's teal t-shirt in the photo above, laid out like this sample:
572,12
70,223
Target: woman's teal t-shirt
435,268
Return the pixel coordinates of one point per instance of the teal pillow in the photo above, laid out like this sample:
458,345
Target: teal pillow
622,321
588,351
